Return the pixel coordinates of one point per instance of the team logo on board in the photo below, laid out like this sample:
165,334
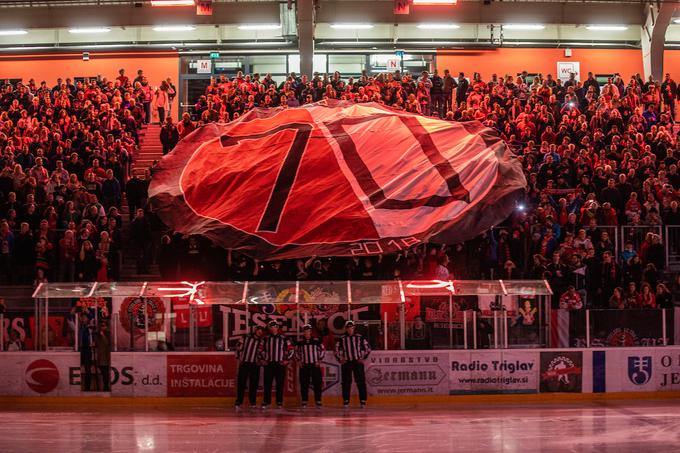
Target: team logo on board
639,369
42,376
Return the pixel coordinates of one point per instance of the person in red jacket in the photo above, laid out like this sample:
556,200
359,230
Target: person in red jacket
186,126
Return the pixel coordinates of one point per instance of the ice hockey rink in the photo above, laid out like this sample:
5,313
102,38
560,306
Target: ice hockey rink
585,426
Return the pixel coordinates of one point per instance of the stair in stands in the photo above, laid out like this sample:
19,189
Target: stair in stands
150,149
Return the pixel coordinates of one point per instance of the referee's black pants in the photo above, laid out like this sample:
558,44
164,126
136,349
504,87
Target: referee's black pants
310,372
274,371
356,369
248,374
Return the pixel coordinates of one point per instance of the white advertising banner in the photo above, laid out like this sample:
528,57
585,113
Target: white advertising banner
643,370
38,373
494,371
388,373
392,373
138,374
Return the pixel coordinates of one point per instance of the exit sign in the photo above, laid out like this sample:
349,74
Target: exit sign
214,55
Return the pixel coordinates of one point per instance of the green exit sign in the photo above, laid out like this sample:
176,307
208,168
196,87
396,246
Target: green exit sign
214,55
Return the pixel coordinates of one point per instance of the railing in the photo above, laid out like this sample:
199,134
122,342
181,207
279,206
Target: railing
637,234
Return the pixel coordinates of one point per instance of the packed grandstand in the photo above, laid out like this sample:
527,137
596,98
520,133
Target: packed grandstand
600,161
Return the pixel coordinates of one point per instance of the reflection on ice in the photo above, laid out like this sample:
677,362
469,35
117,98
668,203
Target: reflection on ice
611,426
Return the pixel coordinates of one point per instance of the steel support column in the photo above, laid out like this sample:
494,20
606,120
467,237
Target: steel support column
306,21
653,37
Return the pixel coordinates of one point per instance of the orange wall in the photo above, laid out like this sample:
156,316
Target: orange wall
157,66
671,63
511,61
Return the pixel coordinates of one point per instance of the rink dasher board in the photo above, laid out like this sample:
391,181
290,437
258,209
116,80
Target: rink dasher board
388,373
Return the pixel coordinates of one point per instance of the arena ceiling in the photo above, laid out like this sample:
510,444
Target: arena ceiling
470,23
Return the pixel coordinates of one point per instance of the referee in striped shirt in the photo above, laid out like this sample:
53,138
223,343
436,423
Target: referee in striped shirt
309,352
278,350
351,350
248,356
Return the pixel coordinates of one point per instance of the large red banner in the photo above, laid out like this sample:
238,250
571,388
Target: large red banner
336,178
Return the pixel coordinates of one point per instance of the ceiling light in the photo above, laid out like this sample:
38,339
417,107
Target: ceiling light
438,26
259,27
606,27
172,2
12,32
676,21
174,28
435,2
264,43
89,30
352,26
523,27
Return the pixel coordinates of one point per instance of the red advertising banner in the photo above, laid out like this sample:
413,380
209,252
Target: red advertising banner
203,314
212,375
201,375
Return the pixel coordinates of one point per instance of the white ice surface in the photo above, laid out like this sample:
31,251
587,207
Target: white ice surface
612,426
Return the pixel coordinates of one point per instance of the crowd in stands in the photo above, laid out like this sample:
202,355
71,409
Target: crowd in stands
65,162
597,156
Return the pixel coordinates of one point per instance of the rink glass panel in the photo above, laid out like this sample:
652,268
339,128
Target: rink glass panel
209,316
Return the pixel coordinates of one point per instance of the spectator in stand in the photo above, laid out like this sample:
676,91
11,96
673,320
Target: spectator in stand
172,93
169,136
646,298
122,79
449,84
571,300
6,249
68,248
418,335
102,346
140,236
437,94
186,126
14,344
87,351
162,100
137,193
617,300
111,191
86,263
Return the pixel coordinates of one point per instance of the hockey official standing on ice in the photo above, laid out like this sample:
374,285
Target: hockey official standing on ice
278,350
249,354
351,350
309,352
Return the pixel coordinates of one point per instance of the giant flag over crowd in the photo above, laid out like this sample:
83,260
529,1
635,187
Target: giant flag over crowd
336,178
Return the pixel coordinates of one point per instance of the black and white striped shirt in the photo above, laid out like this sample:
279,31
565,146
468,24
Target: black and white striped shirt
278,348
309,351
352,347
250,349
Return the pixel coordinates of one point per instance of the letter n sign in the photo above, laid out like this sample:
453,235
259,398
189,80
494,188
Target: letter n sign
402,7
